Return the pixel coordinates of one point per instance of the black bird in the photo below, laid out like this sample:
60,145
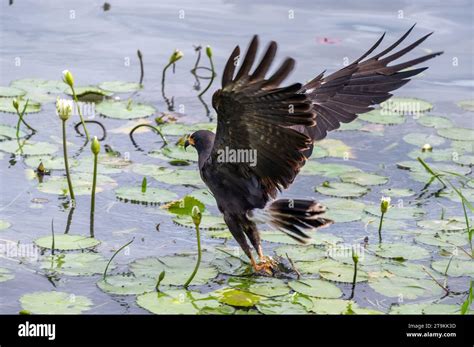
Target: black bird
279,126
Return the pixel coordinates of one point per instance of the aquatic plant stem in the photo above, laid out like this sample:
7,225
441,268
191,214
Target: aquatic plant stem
198,262
156,129
113,256
142,72
76,101
380,227
66,163
212,78
21,120
94,184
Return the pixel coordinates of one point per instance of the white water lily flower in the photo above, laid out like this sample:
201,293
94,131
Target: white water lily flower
63,109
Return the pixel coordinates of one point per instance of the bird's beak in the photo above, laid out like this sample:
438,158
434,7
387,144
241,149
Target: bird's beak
189,141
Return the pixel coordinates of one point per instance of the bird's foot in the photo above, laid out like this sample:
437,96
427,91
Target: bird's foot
266,265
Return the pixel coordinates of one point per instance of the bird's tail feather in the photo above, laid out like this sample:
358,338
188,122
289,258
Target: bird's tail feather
294,217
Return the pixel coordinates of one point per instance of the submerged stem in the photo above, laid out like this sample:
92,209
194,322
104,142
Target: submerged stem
213,74
66,163
380,227
94,183
158,131
198,262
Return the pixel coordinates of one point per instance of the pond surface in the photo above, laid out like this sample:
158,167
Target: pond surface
41,39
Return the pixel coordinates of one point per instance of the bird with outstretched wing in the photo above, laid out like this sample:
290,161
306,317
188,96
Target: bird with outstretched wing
279,125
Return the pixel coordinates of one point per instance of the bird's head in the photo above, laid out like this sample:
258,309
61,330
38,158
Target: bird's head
202,140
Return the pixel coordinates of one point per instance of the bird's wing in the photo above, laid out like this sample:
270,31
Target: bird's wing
341,96
254,114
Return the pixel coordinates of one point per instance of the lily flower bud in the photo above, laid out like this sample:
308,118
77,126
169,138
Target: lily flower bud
196,215
177,55
68,78
95,146
209,51
63,109
385,204
15,104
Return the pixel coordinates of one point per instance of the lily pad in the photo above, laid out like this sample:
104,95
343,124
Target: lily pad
458,134
381,116
451,224
38,84
178,152
406,288
398,192
5,274
457,268
395,212
81,182
75,264
467,105
406,105
332,306
400,251
150,170
67,242
49,162
363,178
319,152
208,222
171,302
178,268
273,307
4,224
127,284
11,92
327,170
236,297
425,308
124,109
336,148
343,210
120,86
54,303
342,273
204,195
6,105
182,177
342,190
29,147
420,139
300,253
316,288
446,154
436,122
442,239
267,287
152,196
180,129
406,269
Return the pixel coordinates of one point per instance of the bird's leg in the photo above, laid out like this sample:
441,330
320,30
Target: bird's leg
266,263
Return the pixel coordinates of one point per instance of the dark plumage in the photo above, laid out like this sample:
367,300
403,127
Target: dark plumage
280,124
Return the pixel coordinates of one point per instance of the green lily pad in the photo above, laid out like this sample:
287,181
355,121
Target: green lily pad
451,224
446,154
363,178
406,269
207,222
236,297
336,148
178,152
6,105
425,308
67,242
452,195
178,268
49,162
124,110
5,275
319,152
317,238
86,93
127,284
457,268
407,288
420,139
343,210
458,134
300,253
382,116
371,223
55,303
312,267
272,307
398,192
465,160
406,105
332,306
268,287
463,146
4,224
120,86
395,212
171,302
342,190
316,288
442,239
150,170
352,126
9,92
81,182
467,105
38,84
75,264
436,122
180,129
342,273
400,251
152,196
204,195
28,147
182,177
327,170
185,206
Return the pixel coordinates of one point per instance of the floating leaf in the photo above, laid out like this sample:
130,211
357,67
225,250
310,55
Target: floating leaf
82,184
120,86
342,190
381,116
150,170
182,177
127,284
342,273
332,306
451,224
316,288
405,269
75,264
400,251
435,122
288,306
426,308
395,212
312,267
457,268
336,148
235,297
354,125
446,154
207,222
268,287
5,275
420,139
177,269
172,302
458,134
67,242
407,288
184,207
205,196
363,178
300,253
153,196
442,239
398,192
89,93
124,110
49,162
40,85
6,105
11,92
326,170
343,210
406,105
54,303
319,152
4,224
29,147
180,129
467,105
178,152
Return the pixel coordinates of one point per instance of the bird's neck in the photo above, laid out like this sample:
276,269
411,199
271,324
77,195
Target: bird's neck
204,153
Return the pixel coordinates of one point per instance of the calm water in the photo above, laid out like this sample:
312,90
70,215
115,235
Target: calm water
50,36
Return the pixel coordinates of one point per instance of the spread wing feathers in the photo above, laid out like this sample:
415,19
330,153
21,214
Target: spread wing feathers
255,114
339,97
